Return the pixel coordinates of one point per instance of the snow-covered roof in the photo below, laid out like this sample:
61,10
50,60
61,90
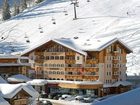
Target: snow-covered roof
69,44
81,46
3,101
30,90
10,90
18,78
127,98
44,81
37,82
2,80
124,83
98,44
75,82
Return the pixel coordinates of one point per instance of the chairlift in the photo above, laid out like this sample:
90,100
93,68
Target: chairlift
76,37
27,41
53,21
2,37
25,36
66,12
39,27
41,31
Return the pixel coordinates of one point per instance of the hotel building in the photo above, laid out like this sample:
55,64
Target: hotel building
92,66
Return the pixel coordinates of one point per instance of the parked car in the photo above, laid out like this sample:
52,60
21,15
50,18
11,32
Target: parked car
54,95
44,102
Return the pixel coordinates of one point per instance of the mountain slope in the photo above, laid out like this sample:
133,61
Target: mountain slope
97,18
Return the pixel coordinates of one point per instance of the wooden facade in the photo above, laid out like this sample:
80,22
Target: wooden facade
13,65
21,98
57,62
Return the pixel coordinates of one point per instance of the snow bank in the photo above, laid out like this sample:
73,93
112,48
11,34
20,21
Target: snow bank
128,98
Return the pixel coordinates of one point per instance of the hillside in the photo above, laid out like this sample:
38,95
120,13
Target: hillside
96,19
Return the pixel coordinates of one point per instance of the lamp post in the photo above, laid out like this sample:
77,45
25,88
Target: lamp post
75,3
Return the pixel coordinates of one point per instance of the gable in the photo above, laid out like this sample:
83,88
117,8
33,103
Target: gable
116,43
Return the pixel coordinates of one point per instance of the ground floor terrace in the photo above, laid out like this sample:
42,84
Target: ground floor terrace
95,88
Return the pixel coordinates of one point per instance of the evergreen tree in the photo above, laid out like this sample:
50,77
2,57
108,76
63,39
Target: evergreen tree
38,1
16,8
23,5
5,10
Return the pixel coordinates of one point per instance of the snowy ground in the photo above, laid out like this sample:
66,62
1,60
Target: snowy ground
96,19
127,98
63,102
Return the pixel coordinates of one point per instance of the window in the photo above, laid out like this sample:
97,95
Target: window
62,65
46,64
61,57
54,72
47,57
52,57
56,57
58,72
107,73
78,57
93,73
50,72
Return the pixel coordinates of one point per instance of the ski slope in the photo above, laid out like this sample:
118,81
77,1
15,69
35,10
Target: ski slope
96,19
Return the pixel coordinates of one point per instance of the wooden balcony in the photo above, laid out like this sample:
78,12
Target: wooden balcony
91,61
91,69
115,61
116,53
39,60
67,76
39,53
115,76
67,61
115,69
91,77
20,102
70,53
74,69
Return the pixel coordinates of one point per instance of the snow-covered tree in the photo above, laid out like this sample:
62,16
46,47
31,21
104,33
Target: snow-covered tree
16,8
38,1
5,10
23,5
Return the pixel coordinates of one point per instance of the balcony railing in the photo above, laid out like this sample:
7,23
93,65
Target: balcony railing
115,69
115,61
21,102
70,61
39,53
70,53
15,64
91,66
68,76
92,61
115,76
